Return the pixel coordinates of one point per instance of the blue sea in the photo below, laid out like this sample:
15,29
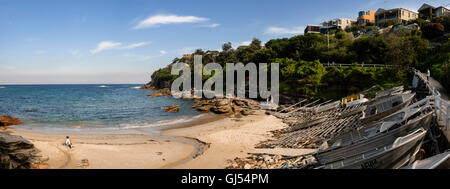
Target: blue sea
120,108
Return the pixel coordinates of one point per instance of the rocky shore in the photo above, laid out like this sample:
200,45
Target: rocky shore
15,151
235,106
270,161
7,121
18,153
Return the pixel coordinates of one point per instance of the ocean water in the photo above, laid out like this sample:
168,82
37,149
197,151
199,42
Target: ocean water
90,108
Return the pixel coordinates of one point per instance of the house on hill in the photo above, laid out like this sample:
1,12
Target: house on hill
428,12
394,16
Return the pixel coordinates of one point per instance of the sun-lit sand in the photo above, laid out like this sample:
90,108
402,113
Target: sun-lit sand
224,138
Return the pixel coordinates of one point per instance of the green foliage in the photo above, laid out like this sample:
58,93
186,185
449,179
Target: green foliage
370,49
300,57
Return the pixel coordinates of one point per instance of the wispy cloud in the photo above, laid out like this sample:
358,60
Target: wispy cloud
105,45
241,43
159,19
284,31
163,52
211,25
110,45
135,45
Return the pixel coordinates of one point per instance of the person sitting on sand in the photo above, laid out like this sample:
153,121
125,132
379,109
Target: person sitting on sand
68,142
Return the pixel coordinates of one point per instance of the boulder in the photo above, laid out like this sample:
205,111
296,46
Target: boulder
7,121
247,112
173,108
206,108
155,95
17,153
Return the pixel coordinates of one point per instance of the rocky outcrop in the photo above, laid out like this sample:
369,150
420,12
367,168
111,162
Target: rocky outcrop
155,95
7,121
18,153
173,108
227,106
270,161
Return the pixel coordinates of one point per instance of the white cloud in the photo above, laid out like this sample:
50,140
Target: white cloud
235,45
211,25
163,52
285,31
109,45
135,45
245,43
105,45
187,50
159,19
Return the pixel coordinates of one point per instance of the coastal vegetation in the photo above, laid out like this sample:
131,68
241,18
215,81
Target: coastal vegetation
300,58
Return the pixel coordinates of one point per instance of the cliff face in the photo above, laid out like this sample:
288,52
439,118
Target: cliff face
17,153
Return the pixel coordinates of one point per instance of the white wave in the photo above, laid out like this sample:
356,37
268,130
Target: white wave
137,87
2,87
162,122
102,86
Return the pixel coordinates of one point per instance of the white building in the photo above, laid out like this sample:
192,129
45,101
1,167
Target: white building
339,23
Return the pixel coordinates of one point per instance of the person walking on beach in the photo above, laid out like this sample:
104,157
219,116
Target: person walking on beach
68,142
428,74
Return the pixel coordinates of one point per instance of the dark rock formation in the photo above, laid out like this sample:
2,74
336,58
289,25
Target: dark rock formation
17,153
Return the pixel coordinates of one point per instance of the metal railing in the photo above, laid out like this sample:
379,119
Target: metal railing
441,106
360,65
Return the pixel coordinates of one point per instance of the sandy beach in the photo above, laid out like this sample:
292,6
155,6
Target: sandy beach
223,139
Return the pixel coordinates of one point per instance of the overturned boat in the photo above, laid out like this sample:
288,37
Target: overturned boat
360,142
440,161
403,121
382,107
391,153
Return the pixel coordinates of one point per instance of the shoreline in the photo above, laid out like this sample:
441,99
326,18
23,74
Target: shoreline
194,144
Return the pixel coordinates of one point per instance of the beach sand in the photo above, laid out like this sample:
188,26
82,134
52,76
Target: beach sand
228,138
225,137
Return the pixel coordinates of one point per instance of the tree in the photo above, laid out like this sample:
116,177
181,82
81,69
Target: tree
256,43
370,49
444,20
227,47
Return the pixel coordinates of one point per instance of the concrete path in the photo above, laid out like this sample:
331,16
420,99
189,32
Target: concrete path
440,88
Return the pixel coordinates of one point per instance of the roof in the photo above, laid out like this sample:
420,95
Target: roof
380,10
426,6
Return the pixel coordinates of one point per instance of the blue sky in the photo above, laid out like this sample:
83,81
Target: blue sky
111,41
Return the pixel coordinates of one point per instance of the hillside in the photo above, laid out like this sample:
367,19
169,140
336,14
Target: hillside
302,76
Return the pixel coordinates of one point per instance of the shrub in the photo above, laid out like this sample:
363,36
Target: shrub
433,30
